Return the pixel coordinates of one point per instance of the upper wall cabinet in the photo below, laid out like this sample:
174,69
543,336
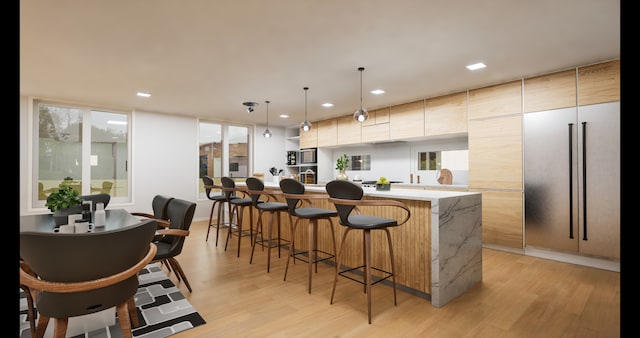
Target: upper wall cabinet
553,91
309,139
327,132
376,127
406,120
599,83
446,115
349,130
498,100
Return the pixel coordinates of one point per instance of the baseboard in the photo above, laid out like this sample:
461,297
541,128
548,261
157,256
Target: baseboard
593,262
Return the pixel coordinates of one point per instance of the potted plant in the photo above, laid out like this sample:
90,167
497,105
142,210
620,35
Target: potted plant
342,163
62,202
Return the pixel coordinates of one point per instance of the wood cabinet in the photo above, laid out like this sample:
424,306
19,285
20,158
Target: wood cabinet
406,120
599,83
502,218
309,139
446,115
376,127
349,130
553,91
498,100
327,132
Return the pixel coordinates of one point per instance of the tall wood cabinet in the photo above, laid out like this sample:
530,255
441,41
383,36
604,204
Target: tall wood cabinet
495,161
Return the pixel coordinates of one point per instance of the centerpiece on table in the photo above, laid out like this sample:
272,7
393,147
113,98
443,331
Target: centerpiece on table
383,184
342,163
63,202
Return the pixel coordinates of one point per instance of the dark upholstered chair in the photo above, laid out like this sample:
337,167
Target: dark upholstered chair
238,205
80,274
159,206
255,188
180,214
219,200
300,206
97,198
347,198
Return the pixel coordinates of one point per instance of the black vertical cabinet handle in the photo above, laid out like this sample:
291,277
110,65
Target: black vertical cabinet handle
570,180
584,181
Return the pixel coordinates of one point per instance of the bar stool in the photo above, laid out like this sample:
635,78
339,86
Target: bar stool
273,208
300,206
347,196
238,204
218,200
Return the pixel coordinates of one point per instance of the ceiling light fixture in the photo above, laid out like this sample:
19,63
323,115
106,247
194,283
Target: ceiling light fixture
476,66
250,106
361,114
306,125
267,133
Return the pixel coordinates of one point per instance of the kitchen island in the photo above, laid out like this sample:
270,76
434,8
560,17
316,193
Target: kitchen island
438,252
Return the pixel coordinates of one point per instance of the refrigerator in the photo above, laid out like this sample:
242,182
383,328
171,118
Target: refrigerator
572,180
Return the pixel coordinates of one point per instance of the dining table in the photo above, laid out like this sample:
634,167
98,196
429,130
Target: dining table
115,218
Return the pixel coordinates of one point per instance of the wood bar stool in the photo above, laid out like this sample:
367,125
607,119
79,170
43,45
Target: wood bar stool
301,207
347,197
272,207
238,205
219,200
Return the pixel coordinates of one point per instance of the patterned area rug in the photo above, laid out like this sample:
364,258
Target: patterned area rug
162,309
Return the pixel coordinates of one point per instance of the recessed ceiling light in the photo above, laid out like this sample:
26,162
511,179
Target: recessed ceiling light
143,94
327,104
377,91
284,116
476,66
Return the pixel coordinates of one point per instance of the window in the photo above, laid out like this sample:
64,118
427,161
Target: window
221,147
84,148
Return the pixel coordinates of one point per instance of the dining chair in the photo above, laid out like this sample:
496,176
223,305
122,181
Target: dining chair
347,198
238,199
180,214
270,205
219,200
80,274
300,206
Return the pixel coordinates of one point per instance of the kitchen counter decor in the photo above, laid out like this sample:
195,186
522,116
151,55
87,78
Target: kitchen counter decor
383,184
342,163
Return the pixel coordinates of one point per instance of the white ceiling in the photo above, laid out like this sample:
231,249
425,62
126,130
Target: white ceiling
205,58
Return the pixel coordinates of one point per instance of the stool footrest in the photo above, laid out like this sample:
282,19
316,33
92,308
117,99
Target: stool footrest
327,256
375,279
277,242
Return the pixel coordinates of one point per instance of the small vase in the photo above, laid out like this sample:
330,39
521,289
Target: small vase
342,176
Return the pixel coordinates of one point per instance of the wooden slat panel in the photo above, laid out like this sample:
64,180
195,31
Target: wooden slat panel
498,100
553,91
599,83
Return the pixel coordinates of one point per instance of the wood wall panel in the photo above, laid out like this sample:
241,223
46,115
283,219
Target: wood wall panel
599,83
553,91
498,100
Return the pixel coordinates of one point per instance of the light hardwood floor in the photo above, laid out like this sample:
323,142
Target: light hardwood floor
520,296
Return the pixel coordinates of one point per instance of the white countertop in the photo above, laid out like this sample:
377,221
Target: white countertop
395,192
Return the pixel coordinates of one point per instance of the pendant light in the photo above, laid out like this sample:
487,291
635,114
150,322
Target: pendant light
306,125
361,114
267,133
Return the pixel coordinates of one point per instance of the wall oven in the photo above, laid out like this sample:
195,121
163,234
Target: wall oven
308,156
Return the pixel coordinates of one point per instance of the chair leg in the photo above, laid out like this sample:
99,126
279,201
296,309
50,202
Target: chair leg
43,322
232,211
367,269
338,262
30,309
179,271
60,327
291,246
393,271
123,318
312,245
133,314
253,243
213,206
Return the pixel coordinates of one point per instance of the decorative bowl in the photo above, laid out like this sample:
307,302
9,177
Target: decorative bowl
383,187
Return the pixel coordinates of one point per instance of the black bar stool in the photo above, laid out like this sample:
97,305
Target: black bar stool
238,204
300,206
218,200
347,196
